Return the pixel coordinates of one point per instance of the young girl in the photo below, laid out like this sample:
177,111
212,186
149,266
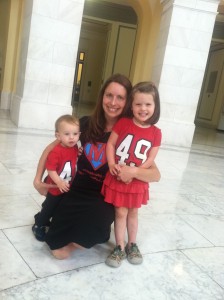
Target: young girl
135,142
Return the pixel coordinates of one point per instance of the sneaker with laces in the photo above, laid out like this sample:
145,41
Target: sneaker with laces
115,258
133,254
39,232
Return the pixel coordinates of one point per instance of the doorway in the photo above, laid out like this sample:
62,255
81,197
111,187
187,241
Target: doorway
107,39
211,99
89,65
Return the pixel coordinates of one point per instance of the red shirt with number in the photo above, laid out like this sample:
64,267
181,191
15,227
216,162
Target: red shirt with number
62,160
132,149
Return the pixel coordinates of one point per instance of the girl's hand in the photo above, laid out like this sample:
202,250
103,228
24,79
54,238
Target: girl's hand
126,174
114,169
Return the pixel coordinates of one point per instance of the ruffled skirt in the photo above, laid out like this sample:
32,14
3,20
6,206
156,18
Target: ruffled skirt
131,195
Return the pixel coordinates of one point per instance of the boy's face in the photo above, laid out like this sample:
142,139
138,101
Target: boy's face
68,134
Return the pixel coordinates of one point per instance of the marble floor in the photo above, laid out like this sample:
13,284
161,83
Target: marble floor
181,230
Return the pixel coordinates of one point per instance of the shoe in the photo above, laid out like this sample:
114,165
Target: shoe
133,254
39,232
115,258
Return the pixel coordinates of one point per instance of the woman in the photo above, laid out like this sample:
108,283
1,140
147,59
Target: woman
83,219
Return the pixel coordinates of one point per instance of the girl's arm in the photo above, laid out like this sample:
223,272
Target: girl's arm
128,173
152,155
110,152
39,185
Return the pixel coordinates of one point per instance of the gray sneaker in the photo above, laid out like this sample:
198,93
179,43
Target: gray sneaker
133,254
115,258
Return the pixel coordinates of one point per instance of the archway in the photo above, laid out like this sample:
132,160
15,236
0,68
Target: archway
107,38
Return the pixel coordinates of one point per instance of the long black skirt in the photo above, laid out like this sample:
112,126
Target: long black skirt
83,218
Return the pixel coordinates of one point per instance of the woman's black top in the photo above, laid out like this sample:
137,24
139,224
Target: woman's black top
82,216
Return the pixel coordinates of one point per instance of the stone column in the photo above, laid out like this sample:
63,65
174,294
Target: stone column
49,46
181,56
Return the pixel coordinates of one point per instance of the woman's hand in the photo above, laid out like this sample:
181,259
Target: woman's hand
42,187
126,174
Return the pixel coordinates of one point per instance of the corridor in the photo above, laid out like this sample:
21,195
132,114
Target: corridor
181,230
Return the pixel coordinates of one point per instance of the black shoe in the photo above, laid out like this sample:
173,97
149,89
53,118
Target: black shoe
39,232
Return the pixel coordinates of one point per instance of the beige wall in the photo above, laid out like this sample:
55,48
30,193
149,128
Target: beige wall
10,26
146,39
92,41
13,44
121,40
4,26
109,49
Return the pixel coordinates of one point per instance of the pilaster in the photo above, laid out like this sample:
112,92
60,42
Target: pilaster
181,55
49,46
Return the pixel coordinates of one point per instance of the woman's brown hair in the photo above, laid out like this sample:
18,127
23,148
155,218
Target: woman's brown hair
97,121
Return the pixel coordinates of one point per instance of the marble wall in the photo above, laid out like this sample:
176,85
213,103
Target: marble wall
49,45
181,56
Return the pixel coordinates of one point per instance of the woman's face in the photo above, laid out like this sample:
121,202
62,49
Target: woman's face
114,100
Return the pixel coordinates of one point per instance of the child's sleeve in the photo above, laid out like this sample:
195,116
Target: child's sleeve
158,137
119,126
52,161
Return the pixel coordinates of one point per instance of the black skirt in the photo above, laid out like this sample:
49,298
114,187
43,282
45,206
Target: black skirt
82,218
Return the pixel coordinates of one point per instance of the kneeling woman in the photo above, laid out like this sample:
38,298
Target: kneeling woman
83,219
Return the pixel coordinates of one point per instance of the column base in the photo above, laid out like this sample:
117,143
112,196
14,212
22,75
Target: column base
5,100
33,115
176,133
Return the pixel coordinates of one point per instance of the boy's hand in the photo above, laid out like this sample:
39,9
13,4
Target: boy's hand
80,151
63,186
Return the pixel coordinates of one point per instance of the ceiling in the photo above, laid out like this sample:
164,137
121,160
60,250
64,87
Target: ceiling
110,11
122,2
121,11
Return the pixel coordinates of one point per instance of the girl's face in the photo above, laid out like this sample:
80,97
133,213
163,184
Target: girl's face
143,107
114,100
68,134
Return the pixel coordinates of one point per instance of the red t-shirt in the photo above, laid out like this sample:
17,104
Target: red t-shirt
132,148
134,142
62,160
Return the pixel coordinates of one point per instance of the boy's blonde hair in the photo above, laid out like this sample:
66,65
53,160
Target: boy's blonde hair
68,119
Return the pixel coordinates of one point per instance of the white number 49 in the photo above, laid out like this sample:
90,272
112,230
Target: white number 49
123,150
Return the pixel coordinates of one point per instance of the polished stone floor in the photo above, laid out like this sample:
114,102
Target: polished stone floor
181,230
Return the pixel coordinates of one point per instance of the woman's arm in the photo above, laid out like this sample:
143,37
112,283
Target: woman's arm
40,186
127,173
152,155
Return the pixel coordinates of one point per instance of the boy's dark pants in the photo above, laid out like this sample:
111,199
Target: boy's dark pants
48,207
